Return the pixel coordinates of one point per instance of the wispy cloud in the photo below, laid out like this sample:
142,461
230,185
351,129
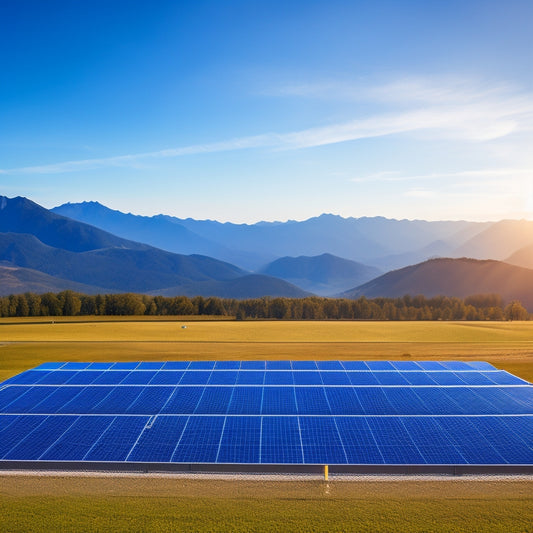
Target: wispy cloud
457,111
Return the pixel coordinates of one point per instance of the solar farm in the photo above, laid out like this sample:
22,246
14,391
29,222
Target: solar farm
263,416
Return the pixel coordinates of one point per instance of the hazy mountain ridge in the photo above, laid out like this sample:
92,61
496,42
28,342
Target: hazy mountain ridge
45,249
325,274
77,253
522,257
453,277
20,215
375,241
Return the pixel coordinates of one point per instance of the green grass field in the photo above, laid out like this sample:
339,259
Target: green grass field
39,503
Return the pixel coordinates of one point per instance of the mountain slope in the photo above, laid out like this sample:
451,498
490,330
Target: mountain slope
522,257
20,215
325,274
453,277
250,286
17,280
118,269
498,241
77,256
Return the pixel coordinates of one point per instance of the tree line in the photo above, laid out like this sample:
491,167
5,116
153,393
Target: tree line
69,303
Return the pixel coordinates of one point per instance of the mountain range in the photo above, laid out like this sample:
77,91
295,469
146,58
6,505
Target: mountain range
91,248
378,242
41,241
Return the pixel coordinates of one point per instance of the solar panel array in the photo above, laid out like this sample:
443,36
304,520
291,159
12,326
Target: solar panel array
268,412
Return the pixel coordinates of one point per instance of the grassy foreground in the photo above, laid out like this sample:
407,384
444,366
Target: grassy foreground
166,505
39,503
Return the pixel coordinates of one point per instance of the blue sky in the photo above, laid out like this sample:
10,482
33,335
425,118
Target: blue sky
270,110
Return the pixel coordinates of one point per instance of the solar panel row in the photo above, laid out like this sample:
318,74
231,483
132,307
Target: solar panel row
271,365
268,412
269,440
258,377
285,400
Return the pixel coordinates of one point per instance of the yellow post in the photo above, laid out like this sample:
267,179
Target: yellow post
326,472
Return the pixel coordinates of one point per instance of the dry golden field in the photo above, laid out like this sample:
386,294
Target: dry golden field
55,503
29,342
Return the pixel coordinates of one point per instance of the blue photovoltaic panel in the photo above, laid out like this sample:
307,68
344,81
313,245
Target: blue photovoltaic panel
175,365
241,440
195,377
223,377
151,400
85,401
246,401
100,366
115,443
380,365
362,378
312,401
279,401
281,442
335,378
390,378
253,365
16,431
125,366
183,400
359,442
201,365
111,377
355,365
278,365
58,377
76,441
75,366
274,412
118,400
214,401
419,378
141,377
321,442
36,443
329,365
200,440
158,441
278,378
431,365
405,365
167,377
227,365
250,377
304,365
150,365
84,378
307,378
343,401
